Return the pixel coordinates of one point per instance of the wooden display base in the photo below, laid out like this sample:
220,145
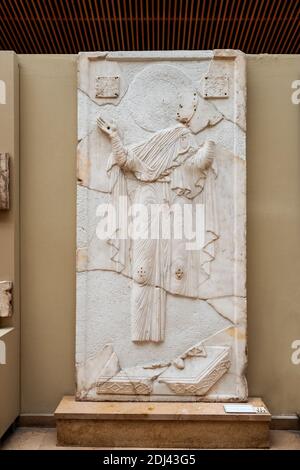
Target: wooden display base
159,425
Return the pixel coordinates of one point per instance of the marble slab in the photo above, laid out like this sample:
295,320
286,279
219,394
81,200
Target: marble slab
161,226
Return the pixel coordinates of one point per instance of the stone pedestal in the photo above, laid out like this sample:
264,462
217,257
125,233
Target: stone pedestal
159,425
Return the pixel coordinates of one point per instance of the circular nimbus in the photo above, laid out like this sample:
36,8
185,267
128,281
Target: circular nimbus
153,96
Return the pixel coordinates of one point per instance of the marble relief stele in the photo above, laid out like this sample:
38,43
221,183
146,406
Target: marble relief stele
161,251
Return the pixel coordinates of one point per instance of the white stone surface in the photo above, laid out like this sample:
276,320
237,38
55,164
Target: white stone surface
156,321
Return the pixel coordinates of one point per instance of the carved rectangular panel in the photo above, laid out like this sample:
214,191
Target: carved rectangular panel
107,87
5,298
216,86
4,181
161,235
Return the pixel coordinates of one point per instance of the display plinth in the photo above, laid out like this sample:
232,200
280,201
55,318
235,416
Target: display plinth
159,425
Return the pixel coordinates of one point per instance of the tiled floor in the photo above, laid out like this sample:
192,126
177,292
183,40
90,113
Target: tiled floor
45,439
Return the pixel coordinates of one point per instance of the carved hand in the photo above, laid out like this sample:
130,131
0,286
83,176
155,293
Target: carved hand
119,152
209,154
109,128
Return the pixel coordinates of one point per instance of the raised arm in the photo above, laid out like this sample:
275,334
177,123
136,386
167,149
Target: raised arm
118,150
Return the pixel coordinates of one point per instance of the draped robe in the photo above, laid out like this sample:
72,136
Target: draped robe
168,169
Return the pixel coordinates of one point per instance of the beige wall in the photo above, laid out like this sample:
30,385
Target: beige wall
48,191
48,141
273,231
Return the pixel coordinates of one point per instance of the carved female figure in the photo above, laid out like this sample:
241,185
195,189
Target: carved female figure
169,168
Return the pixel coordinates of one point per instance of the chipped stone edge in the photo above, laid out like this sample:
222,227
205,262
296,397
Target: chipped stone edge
139,56
4,172
6,299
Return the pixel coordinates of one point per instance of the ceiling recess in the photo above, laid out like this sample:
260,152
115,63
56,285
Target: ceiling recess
70,26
